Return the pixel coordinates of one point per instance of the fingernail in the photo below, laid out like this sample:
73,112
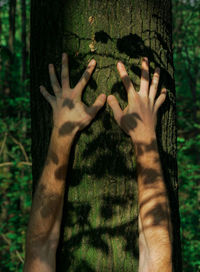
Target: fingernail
103,95
109,98
120,63
145,59
93,62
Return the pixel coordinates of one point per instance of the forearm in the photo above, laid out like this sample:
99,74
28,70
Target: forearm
154,212
70,115
46,212
138,120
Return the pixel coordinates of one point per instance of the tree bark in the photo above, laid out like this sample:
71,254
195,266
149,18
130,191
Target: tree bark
99,229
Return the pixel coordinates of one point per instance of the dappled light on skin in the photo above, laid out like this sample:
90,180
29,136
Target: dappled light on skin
60,172
52,157
68,127
80,211
130,120
139,121
48,201
68,103
142,106
71,115
156,215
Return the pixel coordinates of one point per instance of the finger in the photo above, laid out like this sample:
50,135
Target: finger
54,82
117,111
144,85
160,100
65,72
86,76
125,79
46,95
98,104
154,86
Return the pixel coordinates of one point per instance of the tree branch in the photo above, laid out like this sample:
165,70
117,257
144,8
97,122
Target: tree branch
9,243
21,147
3,143
4,164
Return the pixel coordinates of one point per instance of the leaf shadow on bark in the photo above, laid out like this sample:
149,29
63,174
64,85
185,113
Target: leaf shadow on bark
132,46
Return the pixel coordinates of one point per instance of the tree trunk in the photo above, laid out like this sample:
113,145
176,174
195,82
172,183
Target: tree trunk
0,25
23,38
99,229
11,41
1,85
12,11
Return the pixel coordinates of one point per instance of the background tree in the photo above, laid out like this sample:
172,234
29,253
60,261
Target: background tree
100,215
15,159
24,43
186,40
11,45
12,11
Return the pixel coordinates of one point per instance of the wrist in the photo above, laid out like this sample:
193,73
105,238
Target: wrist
143,137
61,143
65,131
146,148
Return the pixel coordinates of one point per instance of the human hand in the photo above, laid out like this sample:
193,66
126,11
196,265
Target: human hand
70,114
139,118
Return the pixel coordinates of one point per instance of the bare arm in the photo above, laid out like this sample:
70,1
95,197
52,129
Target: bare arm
138,120
69,115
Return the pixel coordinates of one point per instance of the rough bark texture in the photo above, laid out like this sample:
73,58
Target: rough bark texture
99,230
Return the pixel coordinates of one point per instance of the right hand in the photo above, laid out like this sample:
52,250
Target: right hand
70,114
139,118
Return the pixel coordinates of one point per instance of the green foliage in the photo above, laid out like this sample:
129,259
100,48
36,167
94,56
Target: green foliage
15,190
187,64
189,175
15,182
15,142
15,159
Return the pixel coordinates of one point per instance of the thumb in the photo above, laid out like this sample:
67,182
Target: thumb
98,104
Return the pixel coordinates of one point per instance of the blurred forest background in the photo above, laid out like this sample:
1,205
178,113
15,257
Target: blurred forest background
15,134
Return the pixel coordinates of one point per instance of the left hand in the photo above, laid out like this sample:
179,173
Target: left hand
139,118
70,114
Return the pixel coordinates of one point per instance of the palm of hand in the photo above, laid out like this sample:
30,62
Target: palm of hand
139,118
70,114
